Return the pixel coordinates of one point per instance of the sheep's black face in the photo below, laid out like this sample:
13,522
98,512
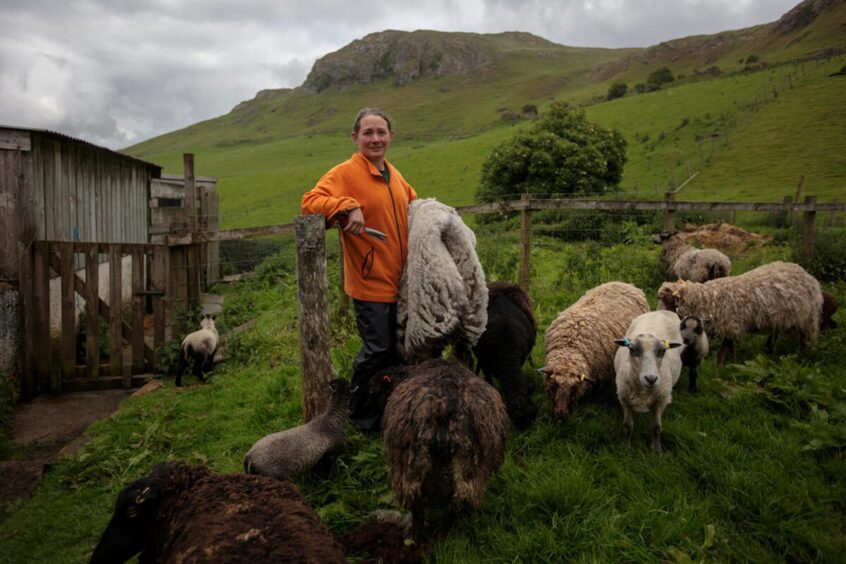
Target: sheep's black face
135,510
691,328
367,412
522,412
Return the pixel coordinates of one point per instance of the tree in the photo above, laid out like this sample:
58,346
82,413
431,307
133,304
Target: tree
562,154
617,90
530,110
660,76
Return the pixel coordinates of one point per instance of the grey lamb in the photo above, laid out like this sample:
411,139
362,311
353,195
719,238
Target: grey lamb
297,450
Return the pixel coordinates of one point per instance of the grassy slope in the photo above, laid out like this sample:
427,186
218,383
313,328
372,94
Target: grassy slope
735,483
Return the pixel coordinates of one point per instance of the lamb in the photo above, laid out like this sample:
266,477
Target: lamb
578,360
647,365
297,450
443,298
505,345
182,513
200,346
695,348
445,431
772,298
379,389
688,263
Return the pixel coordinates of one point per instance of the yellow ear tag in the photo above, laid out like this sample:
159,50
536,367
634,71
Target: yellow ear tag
583,377
675,293
667,344
142,496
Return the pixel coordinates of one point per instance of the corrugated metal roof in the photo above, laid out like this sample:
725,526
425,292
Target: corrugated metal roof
63,137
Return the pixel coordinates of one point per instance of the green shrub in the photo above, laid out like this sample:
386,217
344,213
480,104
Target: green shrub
617,90
829,261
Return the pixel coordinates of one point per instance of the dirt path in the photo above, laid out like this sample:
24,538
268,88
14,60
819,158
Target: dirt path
48,428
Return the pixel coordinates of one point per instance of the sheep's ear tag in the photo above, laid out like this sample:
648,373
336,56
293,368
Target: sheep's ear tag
667,344
675,293
142,497
624,342
582,377
388,378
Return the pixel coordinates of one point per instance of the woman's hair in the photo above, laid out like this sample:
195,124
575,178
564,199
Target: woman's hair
364,112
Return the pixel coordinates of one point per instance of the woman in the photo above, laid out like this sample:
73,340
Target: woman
367,191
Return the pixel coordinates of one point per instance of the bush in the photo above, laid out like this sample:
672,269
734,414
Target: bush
530,110
562,154
617,90
660,77
829,261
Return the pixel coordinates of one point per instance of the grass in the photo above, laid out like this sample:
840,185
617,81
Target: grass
752,469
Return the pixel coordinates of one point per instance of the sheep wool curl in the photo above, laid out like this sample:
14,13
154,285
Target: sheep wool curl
443,297
775,297
579,344
182,513
444,433
286,453
689,263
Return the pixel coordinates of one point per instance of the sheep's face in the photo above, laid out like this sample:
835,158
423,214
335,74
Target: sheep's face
646,354
522,411
371,405
691,329
565,389
669,296
135,511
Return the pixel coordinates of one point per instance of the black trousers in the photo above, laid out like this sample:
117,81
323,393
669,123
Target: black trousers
377,327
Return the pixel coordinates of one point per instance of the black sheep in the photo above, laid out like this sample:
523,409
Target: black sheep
505,345
182,513
445,432
695,348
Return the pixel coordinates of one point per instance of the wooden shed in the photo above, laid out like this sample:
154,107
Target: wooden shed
60,189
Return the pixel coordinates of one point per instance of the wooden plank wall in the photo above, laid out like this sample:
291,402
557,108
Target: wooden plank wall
86,194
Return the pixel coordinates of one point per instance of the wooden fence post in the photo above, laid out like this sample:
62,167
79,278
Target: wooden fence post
312,291
525,243
798,195
68,274
137,316
190,191
115,309
41,301
670,214
92,313
808,233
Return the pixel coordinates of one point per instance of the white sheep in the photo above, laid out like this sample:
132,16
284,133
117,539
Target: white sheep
200,346
689,263
648,364
578,359
443,297
773,298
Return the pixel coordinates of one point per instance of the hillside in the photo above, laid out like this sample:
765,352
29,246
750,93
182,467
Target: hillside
454,96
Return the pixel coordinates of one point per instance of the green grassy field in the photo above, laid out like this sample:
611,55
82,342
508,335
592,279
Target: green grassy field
752,471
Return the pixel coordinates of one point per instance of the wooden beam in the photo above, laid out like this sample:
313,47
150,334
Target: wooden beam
92,317
190,192
138,345
66,272
116,306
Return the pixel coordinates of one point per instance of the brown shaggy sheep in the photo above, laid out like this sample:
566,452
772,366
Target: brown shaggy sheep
445,431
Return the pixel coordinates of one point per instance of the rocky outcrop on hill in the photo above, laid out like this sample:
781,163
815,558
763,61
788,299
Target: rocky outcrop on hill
802,15
403,56
264,95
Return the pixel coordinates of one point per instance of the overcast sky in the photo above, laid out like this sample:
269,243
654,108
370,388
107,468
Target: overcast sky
116,72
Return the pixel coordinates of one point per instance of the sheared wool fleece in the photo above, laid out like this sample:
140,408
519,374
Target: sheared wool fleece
579,343
697,265
776,297
443,297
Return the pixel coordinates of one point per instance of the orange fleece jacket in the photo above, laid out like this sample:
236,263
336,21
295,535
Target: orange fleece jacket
372,268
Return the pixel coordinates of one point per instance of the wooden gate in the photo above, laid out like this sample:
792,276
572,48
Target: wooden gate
111,293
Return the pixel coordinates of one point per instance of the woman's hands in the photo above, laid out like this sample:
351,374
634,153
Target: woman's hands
355,221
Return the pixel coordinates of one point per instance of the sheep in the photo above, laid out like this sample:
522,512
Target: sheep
772,298
200,346
443,298
688,263
578,361
828,309
505,345
695,348
379,388
297,450
182,513
444,437
647,366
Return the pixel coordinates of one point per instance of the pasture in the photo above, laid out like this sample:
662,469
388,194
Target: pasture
752,470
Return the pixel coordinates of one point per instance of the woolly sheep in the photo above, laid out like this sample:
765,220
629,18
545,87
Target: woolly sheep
505,345
578,359
647,365
689,263
443,298
297,450
379,389
445,431
182,513
695,348
770,299
199,346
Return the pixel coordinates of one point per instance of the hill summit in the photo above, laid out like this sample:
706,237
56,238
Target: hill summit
406,57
